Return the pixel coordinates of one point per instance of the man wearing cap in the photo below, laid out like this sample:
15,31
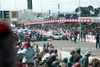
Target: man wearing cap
64,62
27,53
77,55
85,59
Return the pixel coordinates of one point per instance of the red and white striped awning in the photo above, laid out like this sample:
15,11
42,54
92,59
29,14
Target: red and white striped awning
60,20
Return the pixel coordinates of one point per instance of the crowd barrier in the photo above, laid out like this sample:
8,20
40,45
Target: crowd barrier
89,38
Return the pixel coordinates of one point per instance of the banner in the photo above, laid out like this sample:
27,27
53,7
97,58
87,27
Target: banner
14,14
29,4
60,20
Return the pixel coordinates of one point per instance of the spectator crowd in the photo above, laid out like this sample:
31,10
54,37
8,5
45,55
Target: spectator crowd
48,57
15,54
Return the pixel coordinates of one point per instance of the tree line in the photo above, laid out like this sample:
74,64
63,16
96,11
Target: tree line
89,11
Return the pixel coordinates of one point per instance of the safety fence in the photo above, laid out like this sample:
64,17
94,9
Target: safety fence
89,38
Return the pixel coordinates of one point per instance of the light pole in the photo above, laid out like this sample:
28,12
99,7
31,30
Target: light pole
58,10
50,15
15,6
42,22
41,8
80,34
23,12
42,31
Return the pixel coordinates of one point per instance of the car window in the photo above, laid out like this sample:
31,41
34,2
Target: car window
60,34
56,34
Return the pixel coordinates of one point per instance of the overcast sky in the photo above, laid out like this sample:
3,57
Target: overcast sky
65,5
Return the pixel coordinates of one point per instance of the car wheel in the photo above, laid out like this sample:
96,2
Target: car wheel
53,39
45,39
62,38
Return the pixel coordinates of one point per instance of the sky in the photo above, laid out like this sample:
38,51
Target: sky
65,5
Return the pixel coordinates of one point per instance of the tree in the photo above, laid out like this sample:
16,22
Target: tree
77,10
85,11
97,11
90,7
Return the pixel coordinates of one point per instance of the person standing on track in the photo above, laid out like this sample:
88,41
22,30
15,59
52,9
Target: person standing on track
84,35
97,40
75,36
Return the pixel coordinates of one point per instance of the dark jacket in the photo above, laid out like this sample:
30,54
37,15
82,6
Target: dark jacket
75,58
97,38
84,61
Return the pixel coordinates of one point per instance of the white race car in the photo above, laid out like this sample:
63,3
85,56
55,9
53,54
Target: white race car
57,36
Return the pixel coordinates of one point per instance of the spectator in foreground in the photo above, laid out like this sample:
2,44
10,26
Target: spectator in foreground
78,50
55,64
28,54
19,64
94,62
71,58
7,51
85,59
77,64
37,49
44,46
76,57
64,62
36,62
69,64
43,52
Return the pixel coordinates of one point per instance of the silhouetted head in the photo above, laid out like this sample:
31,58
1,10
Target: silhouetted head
7,51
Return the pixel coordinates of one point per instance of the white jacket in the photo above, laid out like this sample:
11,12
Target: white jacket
27,55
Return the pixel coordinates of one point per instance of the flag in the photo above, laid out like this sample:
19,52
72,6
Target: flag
79,12
71,15
14,14
92,12
92,19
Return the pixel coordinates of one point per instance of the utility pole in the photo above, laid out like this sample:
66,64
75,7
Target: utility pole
41,8
80,24
58,11
50,14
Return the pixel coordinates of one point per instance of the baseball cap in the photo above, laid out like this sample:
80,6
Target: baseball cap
65,60
88,53
78,48
27,44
